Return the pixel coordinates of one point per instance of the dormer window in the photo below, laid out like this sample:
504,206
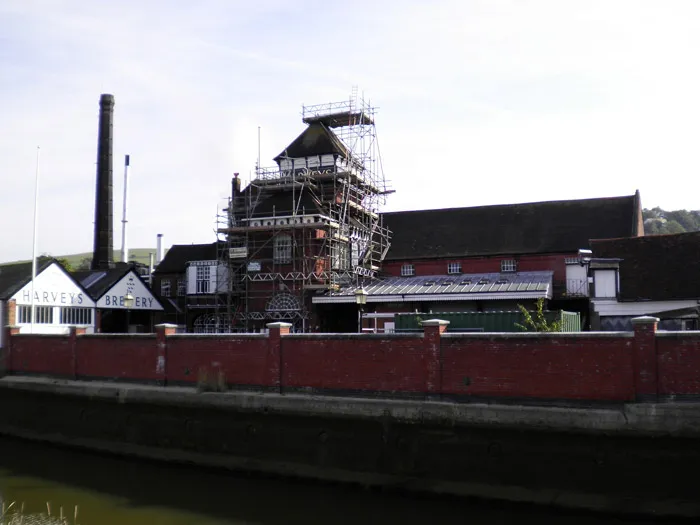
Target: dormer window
509,265
408,270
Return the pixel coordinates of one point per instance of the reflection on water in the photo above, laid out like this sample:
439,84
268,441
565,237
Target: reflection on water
111,490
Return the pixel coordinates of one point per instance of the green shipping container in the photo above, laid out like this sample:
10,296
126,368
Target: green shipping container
505,321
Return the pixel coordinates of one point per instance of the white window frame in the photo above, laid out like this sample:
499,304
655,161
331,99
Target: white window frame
408,270
24,314
165,288
454,267
181,287
203,279
509,265
74,315
282,249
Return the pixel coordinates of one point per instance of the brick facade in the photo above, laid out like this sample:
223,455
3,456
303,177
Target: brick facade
611,367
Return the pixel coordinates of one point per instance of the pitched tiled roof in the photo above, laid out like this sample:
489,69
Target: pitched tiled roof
175,261
316,139
97,282
512,229
655,267
14,276
452,287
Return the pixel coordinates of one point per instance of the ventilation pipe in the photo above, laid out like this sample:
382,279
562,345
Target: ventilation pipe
125,248
159,249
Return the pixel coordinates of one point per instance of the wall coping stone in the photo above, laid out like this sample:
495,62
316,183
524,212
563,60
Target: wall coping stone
536,335
356,336
435,322
645,319
223,337
279,325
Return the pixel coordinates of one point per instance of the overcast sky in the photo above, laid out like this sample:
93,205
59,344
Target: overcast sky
480,102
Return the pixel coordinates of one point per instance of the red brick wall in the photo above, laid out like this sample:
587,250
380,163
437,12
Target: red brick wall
678,364
241,359
526,263
116,357
604,367
42,354
552,368
388,364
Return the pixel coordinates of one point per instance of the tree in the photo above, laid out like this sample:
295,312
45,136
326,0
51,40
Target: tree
539,322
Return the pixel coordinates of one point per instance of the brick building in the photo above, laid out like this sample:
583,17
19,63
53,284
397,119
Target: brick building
492,258
652,275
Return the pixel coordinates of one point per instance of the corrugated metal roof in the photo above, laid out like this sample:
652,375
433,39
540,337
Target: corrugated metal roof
452,287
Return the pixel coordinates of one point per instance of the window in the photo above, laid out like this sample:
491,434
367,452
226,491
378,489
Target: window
509,265
165,288
203,278
339,256
408,270
282,251
454,267
181,287
74,316
24,314
44,314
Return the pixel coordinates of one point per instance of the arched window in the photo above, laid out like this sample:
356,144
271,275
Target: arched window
212,324
282,250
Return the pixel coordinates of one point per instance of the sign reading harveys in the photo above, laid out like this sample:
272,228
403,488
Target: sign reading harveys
53,287
129,284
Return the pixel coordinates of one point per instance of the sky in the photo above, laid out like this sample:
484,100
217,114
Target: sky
479,102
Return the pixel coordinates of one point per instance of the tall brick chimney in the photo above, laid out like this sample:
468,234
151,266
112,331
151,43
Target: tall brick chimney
103,244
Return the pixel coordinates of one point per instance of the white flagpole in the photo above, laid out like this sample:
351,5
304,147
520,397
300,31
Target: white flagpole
36,229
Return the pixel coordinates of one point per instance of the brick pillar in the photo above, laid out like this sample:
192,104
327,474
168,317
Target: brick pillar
273,362
73,333
11,319
10,332
162,332
646,376
432,330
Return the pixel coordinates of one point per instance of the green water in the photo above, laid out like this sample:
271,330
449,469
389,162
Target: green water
110,490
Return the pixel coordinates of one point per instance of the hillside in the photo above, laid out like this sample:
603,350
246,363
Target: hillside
658,221
78,261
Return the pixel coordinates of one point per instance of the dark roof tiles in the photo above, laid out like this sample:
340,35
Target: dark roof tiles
655,267
316,139
539,227
175,261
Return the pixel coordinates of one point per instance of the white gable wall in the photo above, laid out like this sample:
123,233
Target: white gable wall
60,299
129,284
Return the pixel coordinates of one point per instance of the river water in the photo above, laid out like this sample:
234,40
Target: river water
111,490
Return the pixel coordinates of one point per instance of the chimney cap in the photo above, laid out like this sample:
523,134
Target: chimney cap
106,99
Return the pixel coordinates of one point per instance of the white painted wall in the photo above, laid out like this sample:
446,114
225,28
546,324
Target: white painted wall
576,279
131,284
218,277
605,283
53,288
610,307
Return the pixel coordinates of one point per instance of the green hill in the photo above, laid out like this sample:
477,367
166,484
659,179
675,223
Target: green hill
81,261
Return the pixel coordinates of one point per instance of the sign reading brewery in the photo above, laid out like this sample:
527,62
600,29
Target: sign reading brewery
53,287
131,285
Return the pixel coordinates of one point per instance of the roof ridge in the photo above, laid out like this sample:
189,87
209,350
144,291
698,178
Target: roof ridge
511,205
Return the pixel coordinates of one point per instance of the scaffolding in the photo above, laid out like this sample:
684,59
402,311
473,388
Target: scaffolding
307,226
